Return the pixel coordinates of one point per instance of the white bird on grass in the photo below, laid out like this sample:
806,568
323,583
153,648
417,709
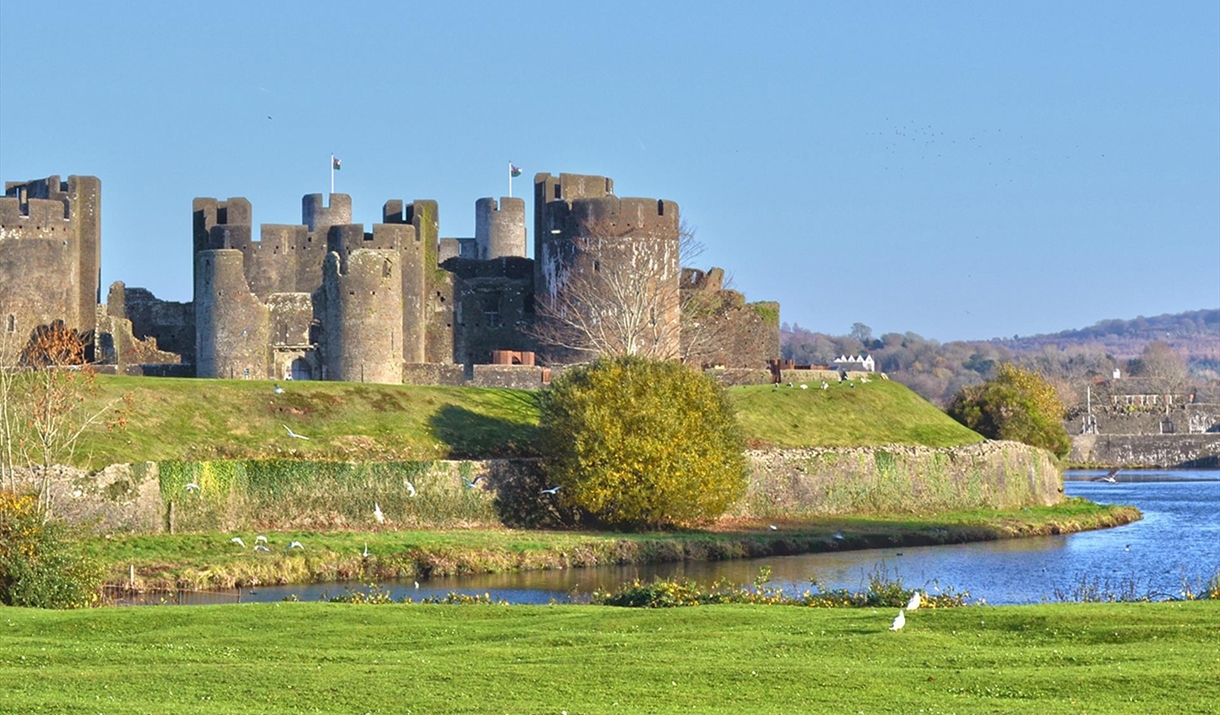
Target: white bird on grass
276,388
410,487
914,602
260,547
260,539
838,536
296,545
192,487
294,435
899,621
773,527
804,386
237,540
366,553
377,514
552,490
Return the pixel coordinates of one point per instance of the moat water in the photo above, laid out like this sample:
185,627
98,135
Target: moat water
1175,546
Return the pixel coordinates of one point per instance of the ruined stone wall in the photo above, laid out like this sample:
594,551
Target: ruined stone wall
492,301
363,316
1153,450
1179,418
170,323
50,254
899,479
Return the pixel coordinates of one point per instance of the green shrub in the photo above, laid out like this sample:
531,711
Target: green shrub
635,443
1017,405
38,567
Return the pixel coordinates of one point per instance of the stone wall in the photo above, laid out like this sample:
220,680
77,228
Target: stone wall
1151,450
818,482
517,377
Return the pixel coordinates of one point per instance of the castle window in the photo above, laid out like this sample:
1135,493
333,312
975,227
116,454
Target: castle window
660,208
11,323
557,191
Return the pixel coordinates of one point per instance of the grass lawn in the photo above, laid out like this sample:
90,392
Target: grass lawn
191,419
342,658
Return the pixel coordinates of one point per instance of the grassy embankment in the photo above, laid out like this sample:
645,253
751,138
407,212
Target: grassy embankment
201,420
311,657
193,420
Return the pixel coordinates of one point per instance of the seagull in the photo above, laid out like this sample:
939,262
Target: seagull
417,584
277,389
552,490
192,487
773,527
914,602
410,487
260,539
899,621
294,435
804,386
1109,478
825,385
380,517
366,553
260,547
296,545
237,540
471,482
838,536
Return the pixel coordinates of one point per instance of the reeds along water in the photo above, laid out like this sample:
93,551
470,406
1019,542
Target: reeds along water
227,495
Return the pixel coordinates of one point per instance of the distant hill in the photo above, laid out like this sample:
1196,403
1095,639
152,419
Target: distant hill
1070,357
1196,334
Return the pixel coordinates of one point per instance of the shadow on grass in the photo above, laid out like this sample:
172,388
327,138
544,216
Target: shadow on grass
470,435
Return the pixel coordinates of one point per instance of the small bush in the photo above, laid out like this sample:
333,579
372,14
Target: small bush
38,567
1017,405
642,443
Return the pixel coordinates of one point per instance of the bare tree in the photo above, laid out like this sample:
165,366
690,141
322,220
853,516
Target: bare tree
612,294
47,404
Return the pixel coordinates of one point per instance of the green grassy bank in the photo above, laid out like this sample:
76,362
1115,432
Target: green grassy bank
212,560
339,658
197,420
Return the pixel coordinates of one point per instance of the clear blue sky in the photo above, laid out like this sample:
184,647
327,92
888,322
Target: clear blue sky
962,170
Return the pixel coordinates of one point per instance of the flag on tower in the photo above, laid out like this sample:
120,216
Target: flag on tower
335,163
514,170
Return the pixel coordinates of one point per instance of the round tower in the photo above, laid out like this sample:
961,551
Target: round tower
499,229
363,316
232,332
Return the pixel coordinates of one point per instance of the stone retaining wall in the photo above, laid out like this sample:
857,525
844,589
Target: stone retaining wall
1198,451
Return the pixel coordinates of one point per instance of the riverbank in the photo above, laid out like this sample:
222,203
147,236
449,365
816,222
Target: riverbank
297,657
212,560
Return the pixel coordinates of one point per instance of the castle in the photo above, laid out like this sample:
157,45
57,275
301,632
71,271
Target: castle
327,300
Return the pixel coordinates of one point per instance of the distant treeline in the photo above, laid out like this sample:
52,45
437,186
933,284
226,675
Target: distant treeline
1183,348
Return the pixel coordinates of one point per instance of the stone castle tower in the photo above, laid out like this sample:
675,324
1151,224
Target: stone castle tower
320,300
581,226
50,254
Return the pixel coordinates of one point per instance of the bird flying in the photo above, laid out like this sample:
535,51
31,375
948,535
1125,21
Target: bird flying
773,527
552,490
237,540
277,389
260,539
192,487
366,553
899,621
377,514
914,602
260,547
294,435
296,545
471,482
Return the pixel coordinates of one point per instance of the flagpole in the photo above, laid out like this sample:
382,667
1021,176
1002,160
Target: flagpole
332,173
510,179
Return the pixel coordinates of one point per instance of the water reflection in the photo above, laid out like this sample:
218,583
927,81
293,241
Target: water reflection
1177,541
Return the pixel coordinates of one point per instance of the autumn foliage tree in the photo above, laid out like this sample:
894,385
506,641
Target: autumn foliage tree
642,443
1017,405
